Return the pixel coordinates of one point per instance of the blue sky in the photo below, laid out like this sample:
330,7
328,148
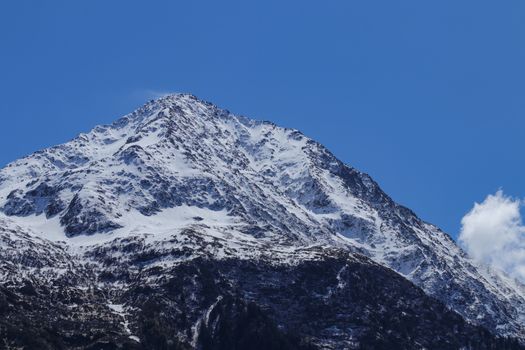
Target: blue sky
426,96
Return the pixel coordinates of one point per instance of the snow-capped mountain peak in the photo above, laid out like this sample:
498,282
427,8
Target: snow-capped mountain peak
181,173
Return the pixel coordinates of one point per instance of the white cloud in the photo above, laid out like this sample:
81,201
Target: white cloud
493,233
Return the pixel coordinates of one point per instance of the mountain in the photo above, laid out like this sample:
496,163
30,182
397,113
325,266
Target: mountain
184,226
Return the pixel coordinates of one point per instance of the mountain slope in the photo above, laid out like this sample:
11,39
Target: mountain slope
321,299
180,179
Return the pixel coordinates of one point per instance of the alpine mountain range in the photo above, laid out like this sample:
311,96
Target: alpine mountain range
185,226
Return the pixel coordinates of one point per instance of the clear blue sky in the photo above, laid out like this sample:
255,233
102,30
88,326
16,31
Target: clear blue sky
426,96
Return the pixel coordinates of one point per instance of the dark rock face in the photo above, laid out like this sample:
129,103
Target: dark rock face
79,220
34,318
339,302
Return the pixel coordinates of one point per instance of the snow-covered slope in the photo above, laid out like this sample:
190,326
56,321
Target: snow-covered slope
181,174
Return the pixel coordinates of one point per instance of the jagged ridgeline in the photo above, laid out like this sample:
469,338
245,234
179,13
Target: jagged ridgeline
184,226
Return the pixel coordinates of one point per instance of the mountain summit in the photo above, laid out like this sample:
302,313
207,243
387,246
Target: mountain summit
184,226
